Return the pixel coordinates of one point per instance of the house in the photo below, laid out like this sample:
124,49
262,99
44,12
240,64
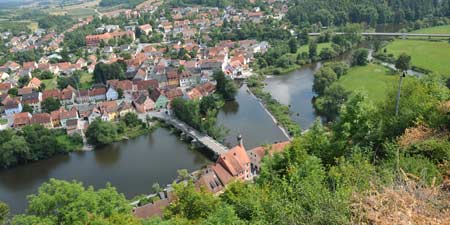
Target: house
34,100
209,180
68,115
112,94
160,100
30,66
153,209
124,108
34,83
97,94
4,87
53,93
221,173
43,119
257,154
144,85
67,95
194,94
236,162
144,104
109,109
25,90
126,86
82,96
206,88
146,29
72,126
12,106
186,79
173,78
22,119
93,40
173,93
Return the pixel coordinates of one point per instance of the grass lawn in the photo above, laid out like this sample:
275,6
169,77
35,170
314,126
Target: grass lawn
50,83
430,55
86,80
320,46
373,79
434,30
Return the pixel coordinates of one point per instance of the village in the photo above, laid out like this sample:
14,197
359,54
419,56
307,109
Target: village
152,78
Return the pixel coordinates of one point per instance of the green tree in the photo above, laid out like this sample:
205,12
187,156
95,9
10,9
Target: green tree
293,45
312,50
120,93
192,204
50,105
13,91
359,57
329,104
4,212
62,202
27,108
403,62
323,79
101,132
225,86
23,81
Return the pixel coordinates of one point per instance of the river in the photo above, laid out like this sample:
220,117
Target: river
133,166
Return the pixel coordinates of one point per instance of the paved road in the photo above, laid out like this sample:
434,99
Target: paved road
206,140
390,34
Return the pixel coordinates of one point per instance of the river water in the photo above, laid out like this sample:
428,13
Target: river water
133,166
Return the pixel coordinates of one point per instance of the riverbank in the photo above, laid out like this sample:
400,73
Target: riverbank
283,130
279,113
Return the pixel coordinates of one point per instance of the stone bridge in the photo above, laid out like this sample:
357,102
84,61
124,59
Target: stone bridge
200,137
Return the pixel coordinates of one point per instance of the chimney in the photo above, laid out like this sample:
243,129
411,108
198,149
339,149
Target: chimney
240,142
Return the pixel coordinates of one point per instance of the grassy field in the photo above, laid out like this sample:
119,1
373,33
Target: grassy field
430,55
50,83
86,80
434,30
372,79
320,46
3,121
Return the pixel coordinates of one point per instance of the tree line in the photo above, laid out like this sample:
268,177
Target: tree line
33,143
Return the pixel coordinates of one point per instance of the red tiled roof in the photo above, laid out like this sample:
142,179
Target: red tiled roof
153,209
235,160
274,148
41,118
223,175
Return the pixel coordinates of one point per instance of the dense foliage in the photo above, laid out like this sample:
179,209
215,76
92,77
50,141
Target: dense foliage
62,202
104,72
34,143
201,115
225,86
103,132
338,12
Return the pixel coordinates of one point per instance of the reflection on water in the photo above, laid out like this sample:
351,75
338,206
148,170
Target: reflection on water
131,166
247,117
295,89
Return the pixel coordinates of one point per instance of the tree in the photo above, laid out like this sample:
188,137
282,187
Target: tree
4,212
225,86
13,91
101,132
359,57
42,87
322,79
403,62
23,81
329,104
104,72
63,202
293,45
50,105
208,103
312,50
27,108
120,93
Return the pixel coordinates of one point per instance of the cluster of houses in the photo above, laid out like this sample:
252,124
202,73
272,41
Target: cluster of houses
236,164
108,102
